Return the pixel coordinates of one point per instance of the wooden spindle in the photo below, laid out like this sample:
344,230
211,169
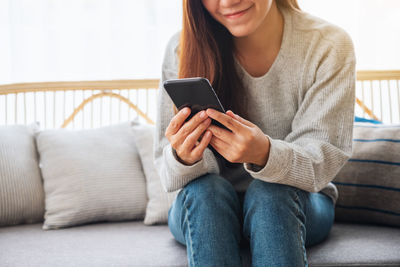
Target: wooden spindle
24,108
362,95
16,108
390,101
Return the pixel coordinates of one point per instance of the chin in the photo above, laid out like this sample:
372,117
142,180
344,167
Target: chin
240,31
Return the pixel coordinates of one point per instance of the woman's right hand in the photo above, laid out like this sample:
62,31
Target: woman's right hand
184,136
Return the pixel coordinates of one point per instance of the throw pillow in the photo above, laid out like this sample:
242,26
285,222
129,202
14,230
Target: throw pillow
360,119
369,183
91,175
21,189
159,201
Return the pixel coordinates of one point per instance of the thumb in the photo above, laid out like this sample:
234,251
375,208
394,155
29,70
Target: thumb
240,119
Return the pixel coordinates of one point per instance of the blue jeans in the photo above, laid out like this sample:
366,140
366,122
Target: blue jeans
278,222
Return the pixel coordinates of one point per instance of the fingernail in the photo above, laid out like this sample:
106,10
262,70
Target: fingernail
202,114
210,111
186,111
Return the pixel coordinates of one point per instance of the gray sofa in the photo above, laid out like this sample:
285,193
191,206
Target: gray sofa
131,243
134,244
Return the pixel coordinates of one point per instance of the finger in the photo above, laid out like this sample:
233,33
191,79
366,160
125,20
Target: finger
220,146
177,121
220,133
225,149
226,120
192,138
199,150
240,119
189,126
230,113
221,143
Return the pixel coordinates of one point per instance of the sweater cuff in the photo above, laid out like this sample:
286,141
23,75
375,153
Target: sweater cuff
178,165
278,163
182,174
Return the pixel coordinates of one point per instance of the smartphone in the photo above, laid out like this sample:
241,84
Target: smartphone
195,93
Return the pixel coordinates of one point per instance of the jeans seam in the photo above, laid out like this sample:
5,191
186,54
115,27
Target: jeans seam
300,237
189,228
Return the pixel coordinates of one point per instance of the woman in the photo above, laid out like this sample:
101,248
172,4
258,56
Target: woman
288,81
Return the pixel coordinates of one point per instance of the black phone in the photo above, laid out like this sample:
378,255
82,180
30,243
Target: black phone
195,93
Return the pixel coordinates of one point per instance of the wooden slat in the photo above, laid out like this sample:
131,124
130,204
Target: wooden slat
109,85
5,110
80,85
24,108
378,75
101,95
146,83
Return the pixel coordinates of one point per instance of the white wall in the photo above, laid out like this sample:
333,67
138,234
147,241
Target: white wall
374,26
47,40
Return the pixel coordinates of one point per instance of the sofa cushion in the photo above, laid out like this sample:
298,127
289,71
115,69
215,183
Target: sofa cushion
361,119
21,188
369,184
134,244
91,175
159,201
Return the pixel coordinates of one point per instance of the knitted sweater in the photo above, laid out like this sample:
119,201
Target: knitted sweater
304,104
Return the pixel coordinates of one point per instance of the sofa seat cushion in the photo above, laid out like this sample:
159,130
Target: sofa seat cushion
134,244
358,245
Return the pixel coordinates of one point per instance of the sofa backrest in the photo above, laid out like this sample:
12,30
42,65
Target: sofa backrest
90,104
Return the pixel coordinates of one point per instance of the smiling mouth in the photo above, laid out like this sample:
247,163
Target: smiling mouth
238,14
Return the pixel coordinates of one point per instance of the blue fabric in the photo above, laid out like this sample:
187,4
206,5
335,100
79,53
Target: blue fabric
359,119
374,161
377,140
369,184
277,221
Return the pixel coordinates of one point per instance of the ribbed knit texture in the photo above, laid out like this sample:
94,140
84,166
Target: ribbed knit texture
159,201
21,188
91,175
304,104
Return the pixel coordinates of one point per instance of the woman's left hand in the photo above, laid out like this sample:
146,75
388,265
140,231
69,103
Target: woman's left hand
246,143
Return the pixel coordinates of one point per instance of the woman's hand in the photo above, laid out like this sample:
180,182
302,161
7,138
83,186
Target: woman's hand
246,143
184,136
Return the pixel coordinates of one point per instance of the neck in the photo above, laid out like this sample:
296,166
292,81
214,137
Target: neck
266,37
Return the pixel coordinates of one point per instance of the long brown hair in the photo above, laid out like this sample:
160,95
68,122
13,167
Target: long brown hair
206,50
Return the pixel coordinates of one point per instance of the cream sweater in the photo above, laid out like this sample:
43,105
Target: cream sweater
304,104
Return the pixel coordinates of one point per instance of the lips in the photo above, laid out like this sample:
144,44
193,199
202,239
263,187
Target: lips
237,14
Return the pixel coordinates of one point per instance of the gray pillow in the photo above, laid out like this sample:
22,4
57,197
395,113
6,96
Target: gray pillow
91,175
369,183
21,189
159,201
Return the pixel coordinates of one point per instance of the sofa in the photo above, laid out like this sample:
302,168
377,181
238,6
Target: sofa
127,241
134,244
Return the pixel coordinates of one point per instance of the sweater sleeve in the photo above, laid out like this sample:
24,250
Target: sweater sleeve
320,142
174,174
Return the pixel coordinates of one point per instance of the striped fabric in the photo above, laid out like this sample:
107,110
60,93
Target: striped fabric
91,175
21,189
369,183
159,201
